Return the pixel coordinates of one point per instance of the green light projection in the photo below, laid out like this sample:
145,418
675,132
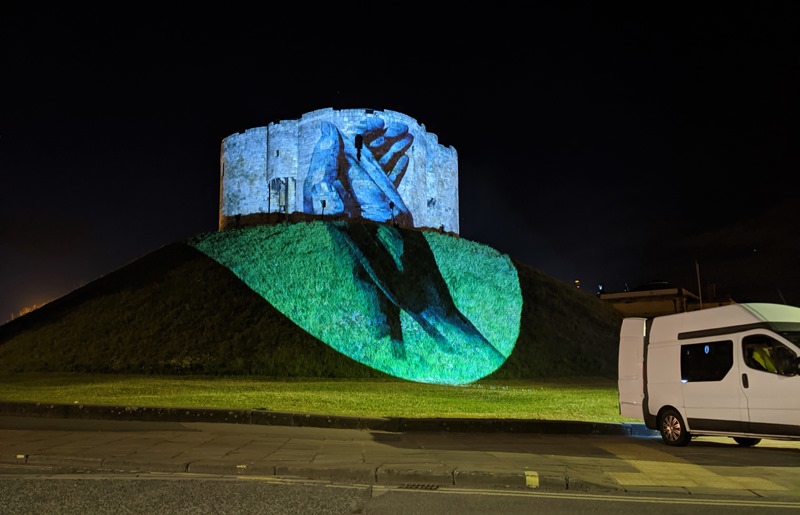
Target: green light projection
419,305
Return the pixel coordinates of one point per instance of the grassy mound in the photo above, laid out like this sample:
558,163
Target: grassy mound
258,308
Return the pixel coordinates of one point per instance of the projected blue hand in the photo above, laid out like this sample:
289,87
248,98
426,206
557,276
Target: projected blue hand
359,178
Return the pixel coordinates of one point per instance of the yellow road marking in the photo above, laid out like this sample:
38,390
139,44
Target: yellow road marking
650,463
531,479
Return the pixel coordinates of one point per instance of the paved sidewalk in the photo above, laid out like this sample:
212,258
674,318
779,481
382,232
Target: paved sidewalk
558,457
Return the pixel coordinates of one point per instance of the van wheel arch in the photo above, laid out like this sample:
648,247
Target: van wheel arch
672,427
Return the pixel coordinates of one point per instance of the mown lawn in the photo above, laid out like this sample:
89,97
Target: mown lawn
578,399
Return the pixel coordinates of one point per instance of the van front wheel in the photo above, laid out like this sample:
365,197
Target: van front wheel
672,428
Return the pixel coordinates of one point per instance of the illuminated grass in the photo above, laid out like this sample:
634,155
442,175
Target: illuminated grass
309,272
575,399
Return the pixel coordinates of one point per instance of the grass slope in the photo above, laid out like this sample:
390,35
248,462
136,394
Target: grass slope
175,311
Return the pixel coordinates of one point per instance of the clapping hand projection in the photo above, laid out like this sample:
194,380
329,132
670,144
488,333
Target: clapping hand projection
359,177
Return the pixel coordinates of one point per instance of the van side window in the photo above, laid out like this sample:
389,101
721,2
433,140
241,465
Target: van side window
708,361
766,354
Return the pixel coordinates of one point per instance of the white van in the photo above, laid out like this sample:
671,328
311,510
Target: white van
723,371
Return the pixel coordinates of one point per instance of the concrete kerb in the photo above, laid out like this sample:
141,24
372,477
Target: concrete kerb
423,475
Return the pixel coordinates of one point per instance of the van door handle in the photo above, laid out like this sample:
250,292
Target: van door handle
745,382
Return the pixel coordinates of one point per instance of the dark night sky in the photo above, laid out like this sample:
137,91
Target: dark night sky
612,145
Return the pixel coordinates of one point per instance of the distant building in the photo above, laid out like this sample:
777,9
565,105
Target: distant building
661,298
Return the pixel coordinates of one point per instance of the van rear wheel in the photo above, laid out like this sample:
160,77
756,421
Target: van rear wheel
672,428
746,442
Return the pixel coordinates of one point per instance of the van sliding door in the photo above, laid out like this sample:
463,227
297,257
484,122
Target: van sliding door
710,387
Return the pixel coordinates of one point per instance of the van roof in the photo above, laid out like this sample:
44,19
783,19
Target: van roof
730,318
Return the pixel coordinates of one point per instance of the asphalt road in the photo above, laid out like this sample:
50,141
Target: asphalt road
153,494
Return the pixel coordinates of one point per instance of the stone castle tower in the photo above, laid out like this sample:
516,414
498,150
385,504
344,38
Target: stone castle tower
357,164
